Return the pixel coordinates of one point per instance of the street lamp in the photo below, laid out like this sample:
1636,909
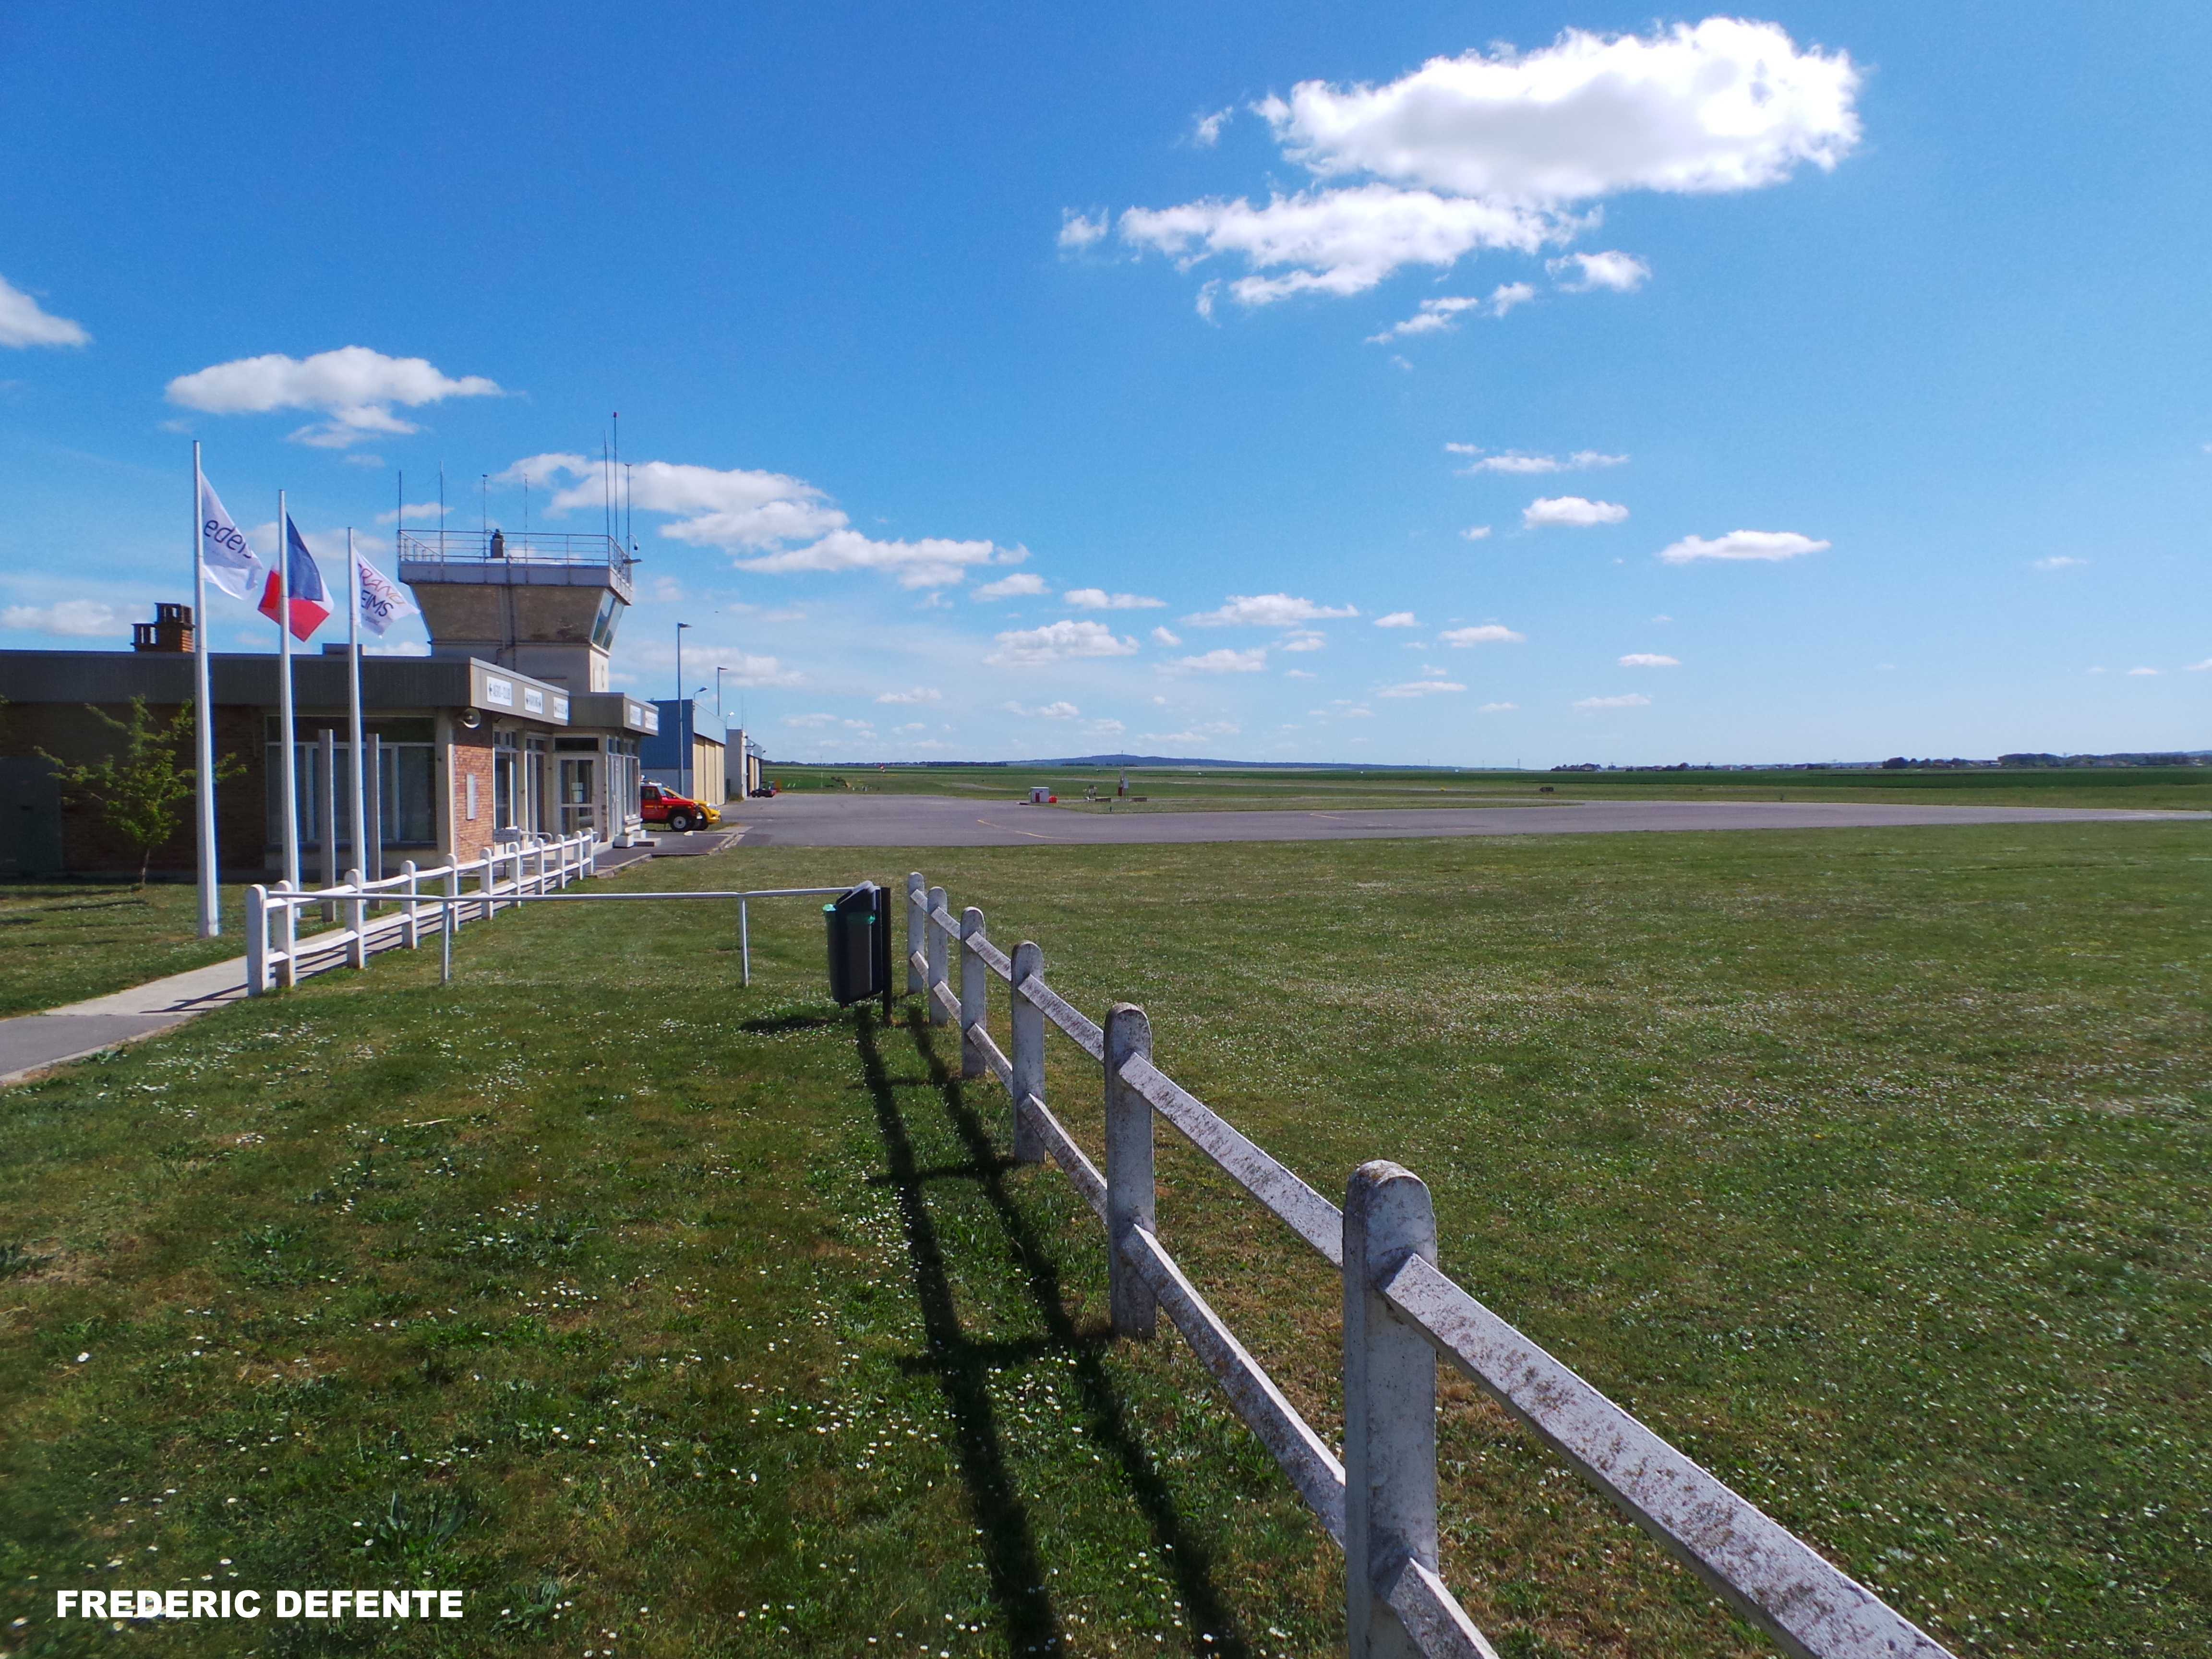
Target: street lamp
683,726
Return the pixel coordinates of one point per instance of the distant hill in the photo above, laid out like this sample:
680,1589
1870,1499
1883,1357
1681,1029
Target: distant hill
1180,760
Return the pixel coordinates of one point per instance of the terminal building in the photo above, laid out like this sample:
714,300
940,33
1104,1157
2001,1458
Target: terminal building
508,727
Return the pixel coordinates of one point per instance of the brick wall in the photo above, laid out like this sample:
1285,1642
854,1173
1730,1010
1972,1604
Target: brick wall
469,756
71,732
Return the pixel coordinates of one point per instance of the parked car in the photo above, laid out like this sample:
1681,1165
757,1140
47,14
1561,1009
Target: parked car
673,811
766,791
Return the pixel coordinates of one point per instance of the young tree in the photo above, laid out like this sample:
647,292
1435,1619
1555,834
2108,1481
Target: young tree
142,792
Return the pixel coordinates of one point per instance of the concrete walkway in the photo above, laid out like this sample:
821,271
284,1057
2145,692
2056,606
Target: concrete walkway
31,1043
834,820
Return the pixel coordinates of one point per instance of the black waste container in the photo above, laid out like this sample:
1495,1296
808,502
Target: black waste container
859,946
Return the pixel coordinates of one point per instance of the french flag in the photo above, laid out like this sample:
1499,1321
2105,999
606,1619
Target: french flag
311,600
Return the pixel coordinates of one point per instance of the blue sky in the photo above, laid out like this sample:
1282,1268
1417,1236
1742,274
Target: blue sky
934,330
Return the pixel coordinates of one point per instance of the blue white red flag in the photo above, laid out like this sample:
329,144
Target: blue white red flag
229,563
310,599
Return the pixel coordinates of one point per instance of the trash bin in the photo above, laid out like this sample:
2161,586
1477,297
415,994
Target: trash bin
859,946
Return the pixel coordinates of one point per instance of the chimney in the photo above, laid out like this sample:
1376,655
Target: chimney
170,630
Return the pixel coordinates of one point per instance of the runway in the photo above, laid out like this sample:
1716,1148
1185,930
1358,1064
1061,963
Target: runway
839,820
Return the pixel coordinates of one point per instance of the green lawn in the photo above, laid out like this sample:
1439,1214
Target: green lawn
1246,788
1869,1166
63,941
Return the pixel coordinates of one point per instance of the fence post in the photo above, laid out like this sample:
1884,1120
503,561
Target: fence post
411,931
1128,1171
450,917
357,921
257,939
1389,1409
935,902
974,980
288,934
916,931
1028,1056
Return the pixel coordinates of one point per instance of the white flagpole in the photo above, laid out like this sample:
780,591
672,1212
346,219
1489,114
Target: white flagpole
362,858
288,740
204,721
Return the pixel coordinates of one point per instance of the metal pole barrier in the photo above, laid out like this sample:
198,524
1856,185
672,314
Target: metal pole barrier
1390,1410
974,978
935,935
357,921
289,975
256,940
1028,1056
1128,1171
916,941
745,946
411,931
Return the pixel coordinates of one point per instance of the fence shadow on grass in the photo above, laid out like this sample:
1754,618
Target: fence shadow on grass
962,1365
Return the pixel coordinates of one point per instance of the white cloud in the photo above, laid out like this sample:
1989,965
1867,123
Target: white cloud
1268,610
761,514
1662,618
1419,687
1633,699
413,510
2141,672
919,694
1397,619
397,648
1162,636
1197,733
1050,711
1742,544
802,720
1475,534
1299,674
1097,599
1495,149
1078,230
1103,729
1648,660
2198,667
932,562
1032,647
1498,708
23,323
1303,639
1620,273
1221,662
1206,131
1570,510
1014,586
1441,315
353,386
1338,241
76,619
1487,634
2063,562
1515,460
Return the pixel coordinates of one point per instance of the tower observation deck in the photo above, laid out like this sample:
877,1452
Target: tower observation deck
544,604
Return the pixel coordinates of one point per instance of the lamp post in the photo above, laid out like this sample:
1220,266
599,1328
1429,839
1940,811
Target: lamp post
683,726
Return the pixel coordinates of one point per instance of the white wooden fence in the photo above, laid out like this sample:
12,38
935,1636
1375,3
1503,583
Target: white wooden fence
1400,1314
439,900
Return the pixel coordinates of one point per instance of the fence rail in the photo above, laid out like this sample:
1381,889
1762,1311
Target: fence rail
532,868
1402,1314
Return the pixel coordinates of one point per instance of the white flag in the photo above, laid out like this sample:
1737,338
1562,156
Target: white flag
382,603
229,563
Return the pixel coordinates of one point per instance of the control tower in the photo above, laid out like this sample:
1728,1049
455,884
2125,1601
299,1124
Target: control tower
545,606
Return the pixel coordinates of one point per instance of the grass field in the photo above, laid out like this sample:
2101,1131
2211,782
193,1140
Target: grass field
1871,1166
63,941
1241,788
